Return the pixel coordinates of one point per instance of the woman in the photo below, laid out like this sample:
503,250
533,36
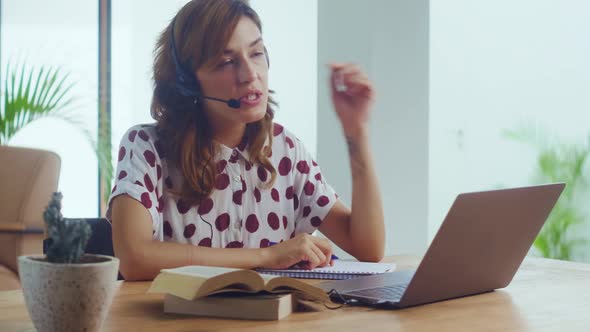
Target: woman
214,181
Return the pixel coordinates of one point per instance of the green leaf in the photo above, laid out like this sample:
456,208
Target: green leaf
559,163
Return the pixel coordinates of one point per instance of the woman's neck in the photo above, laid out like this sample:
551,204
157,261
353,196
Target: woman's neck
229,135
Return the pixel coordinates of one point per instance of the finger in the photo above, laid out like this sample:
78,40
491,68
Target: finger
359,86
323,259
344,66
349,69
338,65
337,82
322,243
355,82
349,78
325,246
354,78
343,69
346,72
360,91
313,259
319,254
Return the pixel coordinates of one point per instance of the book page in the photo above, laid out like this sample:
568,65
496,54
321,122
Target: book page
200,271
267,277
190,282
308,291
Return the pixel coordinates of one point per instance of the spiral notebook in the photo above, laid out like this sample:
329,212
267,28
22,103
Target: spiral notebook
340,270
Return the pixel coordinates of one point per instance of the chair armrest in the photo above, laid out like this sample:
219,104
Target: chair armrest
18,228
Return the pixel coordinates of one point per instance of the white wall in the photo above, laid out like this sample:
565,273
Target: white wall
389,39
290,30
134,34
499,65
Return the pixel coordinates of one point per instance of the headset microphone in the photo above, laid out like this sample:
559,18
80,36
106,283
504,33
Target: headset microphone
233,103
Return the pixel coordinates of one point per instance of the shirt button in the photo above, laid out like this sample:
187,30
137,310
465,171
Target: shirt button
237,225
237,178
234,153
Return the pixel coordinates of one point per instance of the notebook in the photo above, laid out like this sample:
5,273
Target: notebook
340,270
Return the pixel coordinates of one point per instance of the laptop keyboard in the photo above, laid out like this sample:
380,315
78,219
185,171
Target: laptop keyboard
386,293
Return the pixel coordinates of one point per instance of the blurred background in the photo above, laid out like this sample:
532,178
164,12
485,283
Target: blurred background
471,96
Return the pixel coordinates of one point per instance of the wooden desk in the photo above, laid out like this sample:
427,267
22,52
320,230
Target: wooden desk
546,295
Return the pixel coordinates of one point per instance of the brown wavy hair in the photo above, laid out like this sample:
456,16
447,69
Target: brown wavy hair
202,29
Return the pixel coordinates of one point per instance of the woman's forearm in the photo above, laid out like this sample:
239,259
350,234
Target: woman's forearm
367,229
146,261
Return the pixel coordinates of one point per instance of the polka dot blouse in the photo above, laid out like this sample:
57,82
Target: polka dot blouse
240,210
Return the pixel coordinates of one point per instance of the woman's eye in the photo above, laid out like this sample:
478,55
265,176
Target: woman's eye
226,62
257,54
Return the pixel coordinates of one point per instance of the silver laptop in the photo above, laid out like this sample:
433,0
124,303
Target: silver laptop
478,248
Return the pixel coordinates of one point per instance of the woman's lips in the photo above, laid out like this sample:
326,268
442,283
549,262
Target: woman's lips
245,101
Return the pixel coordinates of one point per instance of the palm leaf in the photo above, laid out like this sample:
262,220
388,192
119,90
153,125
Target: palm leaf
29,97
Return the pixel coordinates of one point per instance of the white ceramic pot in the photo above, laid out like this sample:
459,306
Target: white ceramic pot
68,297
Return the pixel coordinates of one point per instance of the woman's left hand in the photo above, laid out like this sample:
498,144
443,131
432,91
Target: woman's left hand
353,96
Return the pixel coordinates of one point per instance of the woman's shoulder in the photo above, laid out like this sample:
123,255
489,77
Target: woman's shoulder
142,133
146,130
283,137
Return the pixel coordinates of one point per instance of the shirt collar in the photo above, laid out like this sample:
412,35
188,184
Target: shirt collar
227,153
234,154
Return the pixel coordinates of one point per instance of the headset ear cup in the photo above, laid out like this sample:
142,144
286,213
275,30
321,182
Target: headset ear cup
186,83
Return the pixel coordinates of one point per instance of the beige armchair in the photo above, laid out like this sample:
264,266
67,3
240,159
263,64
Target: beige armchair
27,179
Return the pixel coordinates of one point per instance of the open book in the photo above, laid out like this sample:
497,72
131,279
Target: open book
193,282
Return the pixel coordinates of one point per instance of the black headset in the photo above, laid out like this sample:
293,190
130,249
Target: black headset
188,86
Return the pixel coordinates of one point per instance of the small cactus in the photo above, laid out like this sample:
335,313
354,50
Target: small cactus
68,236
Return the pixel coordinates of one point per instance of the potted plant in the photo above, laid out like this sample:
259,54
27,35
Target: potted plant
67,290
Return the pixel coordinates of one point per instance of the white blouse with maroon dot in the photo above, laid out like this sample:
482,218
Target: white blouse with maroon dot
241,211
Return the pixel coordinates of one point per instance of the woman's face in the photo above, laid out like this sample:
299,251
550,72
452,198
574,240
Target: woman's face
240,73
